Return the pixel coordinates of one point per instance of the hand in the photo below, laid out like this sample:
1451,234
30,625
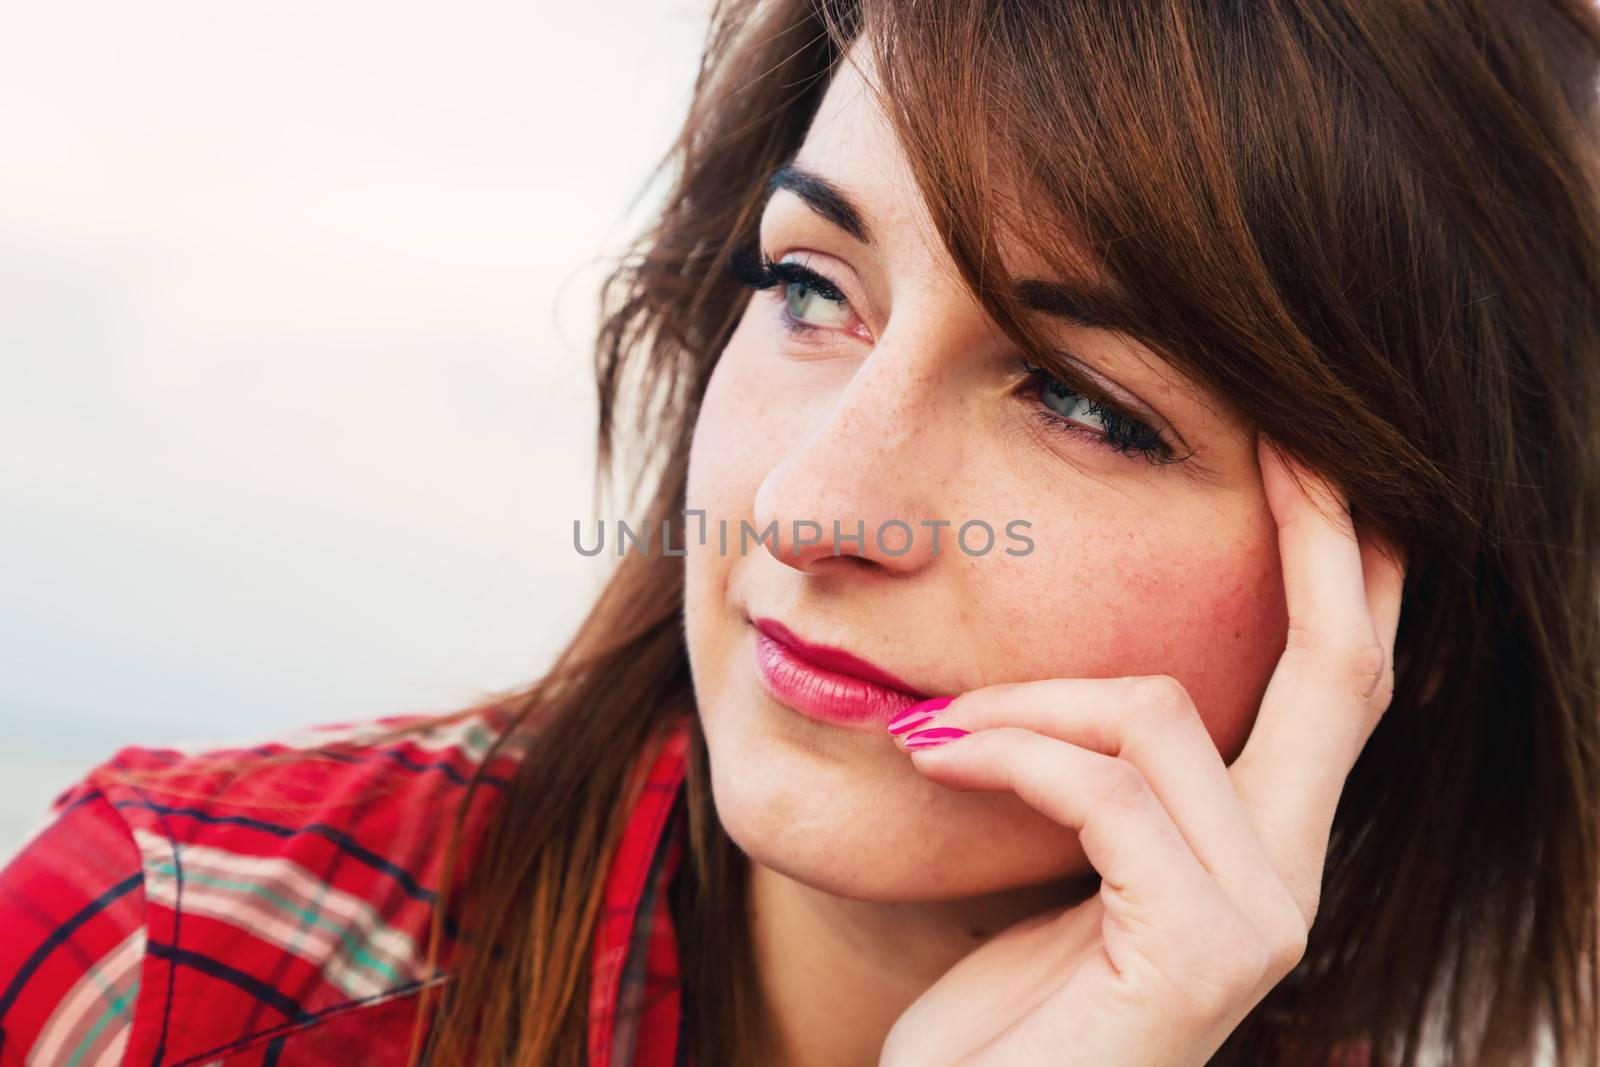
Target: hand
1210,874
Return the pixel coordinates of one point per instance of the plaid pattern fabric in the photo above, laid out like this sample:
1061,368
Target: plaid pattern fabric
635,1012
282,916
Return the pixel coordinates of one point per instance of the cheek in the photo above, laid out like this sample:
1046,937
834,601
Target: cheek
737,427
728,457
1206,608
713,481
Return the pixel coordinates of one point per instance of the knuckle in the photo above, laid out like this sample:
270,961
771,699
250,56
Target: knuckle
1383,695
1231,976
1122,784
1368,664
1288,935
1248,964
1288,949
1313,903
1251,964
1160,699
1361,666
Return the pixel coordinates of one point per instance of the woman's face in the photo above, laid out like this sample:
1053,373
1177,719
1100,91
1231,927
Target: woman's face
904,402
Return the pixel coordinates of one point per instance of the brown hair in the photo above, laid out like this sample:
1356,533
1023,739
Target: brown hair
1371,227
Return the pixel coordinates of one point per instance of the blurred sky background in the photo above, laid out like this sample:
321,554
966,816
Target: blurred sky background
295,404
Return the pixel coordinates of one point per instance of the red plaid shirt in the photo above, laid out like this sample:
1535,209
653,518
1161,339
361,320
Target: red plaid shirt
284,919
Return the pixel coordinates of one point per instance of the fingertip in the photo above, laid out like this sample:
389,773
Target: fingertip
1299,486
1285,492
1273,475
1267,453
934,737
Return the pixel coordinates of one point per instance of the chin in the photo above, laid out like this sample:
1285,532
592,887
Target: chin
852,839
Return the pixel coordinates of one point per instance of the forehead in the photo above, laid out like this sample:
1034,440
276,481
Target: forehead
853,144
849,112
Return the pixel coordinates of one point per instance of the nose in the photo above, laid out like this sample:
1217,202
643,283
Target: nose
865,487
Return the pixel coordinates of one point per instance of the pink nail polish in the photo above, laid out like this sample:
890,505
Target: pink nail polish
902,724
917,713
938,735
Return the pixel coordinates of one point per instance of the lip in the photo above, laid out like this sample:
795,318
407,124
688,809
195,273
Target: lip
825,682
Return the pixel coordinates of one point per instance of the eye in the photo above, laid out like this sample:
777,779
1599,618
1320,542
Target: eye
806,294
1065,411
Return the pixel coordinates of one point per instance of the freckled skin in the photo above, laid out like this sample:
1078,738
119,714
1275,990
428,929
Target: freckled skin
1136,569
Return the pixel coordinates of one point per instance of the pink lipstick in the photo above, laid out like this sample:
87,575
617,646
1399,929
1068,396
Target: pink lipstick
827,683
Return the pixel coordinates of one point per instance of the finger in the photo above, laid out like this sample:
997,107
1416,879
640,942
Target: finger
1151,722
1322,560
1125,830
1384,566
1313,717
1178,921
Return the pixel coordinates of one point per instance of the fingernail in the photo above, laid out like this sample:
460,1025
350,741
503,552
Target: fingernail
936,736
917,714
900,726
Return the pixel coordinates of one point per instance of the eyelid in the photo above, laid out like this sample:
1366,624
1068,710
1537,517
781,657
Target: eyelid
832,277
791,236
1098,387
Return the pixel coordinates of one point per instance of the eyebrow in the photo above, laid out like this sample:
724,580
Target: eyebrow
1059,300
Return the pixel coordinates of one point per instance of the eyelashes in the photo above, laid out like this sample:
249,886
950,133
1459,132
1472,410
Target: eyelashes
759,272
1118,431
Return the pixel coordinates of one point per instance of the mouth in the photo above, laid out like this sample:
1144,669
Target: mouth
825,682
